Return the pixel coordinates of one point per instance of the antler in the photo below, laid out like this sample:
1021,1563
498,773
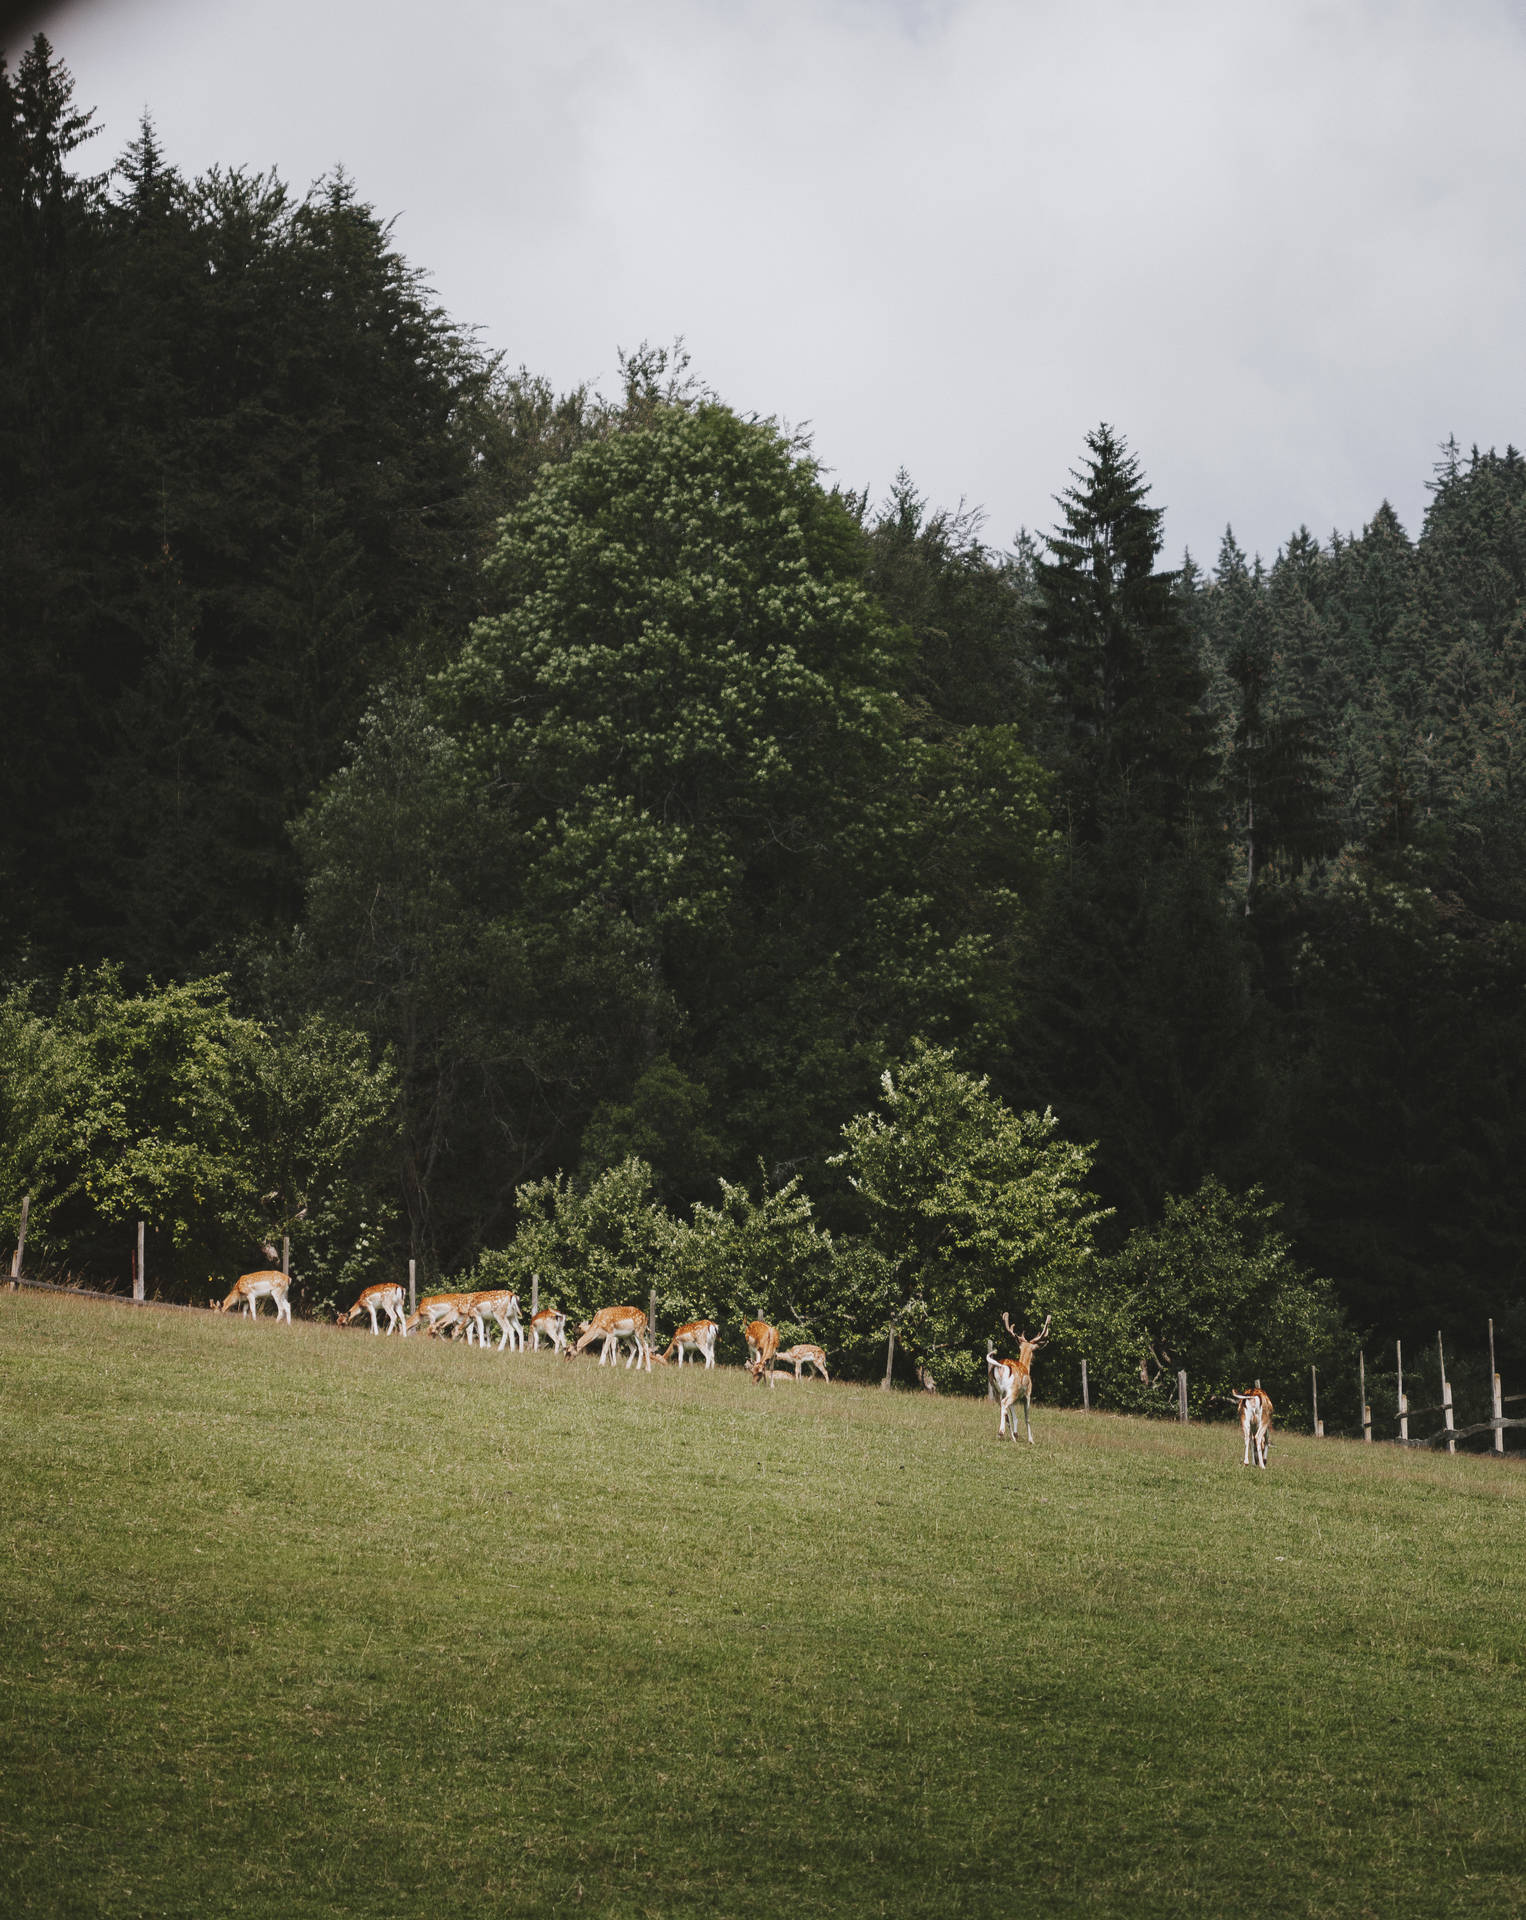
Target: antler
1038,1339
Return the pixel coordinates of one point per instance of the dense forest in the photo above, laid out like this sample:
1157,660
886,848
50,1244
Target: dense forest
523,831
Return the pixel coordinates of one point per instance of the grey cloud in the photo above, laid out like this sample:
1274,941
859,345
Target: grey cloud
1281,247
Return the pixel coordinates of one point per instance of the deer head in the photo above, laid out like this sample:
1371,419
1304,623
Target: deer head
1027,1343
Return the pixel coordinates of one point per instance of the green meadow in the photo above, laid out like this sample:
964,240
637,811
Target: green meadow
301,1622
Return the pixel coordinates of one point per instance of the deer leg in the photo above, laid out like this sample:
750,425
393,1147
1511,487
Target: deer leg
1027,1423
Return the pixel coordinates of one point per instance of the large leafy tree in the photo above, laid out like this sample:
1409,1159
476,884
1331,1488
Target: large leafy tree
973,1209
221,1134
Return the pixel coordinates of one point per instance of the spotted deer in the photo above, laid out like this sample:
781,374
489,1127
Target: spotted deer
387,1299
499,1305
438,1313
1013,1379
612,1325
250,1289
805,1356
550,1325
694,1337
762,1349
1255,1423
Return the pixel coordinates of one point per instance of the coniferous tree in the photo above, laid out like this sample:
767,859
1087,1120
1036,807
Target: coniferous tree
1116,665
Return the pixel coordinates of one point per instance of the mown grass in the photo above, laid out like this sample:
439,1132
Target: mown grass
302,1622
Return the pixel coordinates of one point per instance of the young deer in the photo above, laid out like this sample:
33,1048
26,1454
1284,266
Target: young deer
805,1356
387,1299
1255,1423
762,1349
695,1337
501,1307
612,1325
550,1325
250,1289
438,1312
1013,1379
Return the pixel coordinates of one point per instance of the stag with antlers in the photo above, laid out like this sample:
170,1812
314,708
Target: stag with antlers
1013,1379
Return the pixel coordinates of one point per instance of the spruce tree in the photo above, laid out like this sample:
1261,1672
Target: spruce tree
1114,654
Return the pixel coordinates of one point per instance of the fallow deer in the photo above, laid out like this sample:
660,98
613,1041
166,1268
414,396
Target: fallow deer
612,1325
501,1307
251,1288
805,1356
1013,1379
550,1325
1255,1423
438,1312
695,1337
762,1349
386,1298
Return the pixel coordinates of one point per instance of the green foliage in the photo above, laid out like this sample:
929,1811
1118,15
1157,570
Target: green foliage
1214,1288
976,1210
762,1259
220,1135
606,1244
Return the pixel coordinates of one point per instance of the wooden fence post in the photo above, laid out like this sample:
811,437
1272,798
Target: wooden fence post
651,1317
1499,1404
1181,1395
137,1272
889,1360
286,1254
413,1288
1319,1425
1446,1394
1403,1403
1361,1390
534,1295
1086,1398
16,1257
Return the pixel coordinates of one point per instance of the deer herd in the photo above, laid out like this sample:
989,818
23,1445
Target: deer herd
469,1314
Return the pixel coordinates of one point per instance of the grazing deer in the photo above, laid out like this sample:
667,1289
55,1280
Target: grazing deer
612,1325
693,1337
762,1349
805,1356
1255,1423
1013,1379
387,1299
500,1306
251,1288
550,1325
438,1312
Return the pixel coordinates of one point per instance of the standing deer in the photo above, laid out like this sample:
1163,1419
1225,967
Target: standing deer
1255,1423
500,1305
386,1298
250,1289
805,1356
550,1324
1013,1379
762,1348
695,1337
612,1325
438,1311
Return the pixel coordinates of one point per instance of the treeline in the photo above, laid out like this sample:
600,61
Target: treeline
577,791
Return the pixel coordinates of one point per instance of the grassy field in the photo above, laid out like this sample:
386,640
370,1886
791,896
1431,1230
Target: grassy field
302,1622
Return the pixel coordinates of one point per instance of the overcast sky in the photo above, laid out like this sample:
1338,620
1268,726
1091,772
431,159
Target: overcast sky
1282,247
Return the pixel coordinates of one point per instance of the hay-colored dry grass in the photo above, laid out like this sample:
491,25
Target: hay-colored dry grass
300,1622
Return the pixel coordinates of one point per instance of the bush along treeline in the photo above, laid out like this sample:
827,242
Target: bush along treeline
542,833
